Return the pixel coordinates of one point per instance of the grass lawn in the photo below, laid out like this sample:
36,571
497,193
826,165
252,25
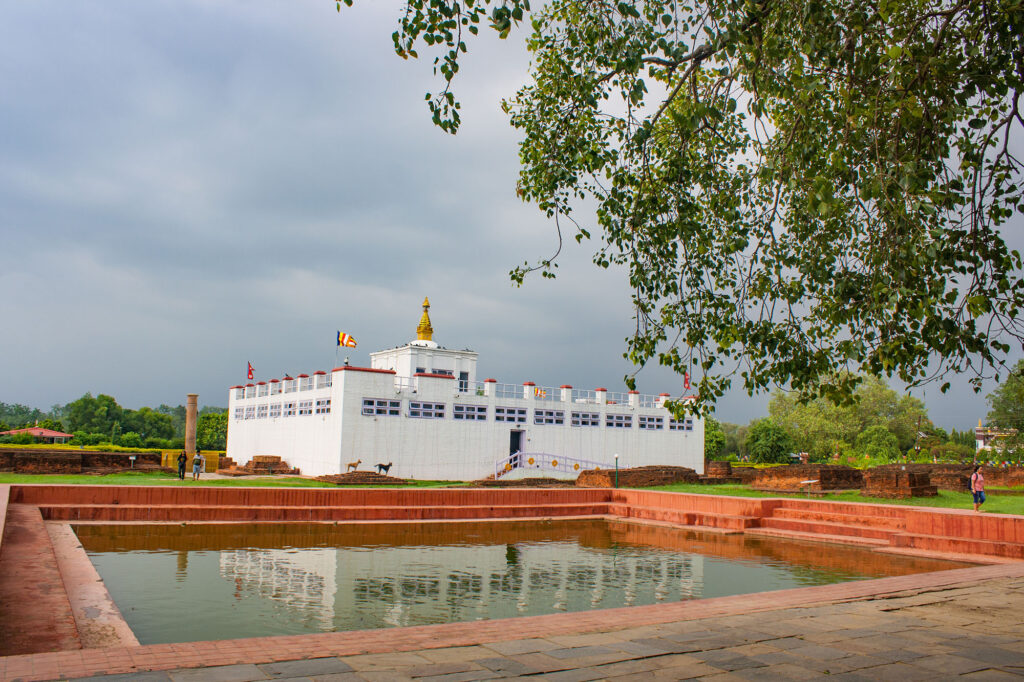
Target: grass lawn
160,478
996,503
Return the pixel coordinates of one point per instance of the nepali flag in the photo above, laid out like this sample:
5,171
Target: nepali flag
686,381
250,374
346,340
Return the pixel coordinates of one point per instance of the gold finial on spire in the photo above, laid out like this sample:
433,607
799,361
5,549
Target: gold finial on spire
424,332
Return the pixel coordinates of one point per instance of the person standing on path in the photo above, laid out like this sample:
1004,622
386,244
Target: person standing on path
182,459
978,488
197,465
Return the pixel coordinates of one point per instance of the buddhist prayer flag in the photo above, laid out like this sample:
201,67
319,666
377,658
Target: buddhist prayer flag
540,393
250,374
346,340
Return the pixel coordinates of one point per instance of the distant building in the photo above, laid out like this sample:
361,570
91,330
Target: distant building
990,438
45,435
420,407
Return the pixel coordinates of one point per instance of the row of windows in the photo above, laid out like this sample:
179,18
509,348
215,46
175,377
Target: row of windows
287,409
385,407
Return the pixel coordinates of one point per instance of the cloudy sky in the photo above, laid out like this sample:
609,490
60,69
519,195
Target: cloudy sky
187,186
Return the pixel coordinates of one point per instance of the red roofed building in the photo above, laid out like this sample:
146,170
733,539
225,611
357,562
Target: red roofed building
46,435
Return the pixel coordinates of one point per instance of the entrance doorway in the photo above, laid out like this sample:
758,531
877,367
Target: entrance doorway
515,446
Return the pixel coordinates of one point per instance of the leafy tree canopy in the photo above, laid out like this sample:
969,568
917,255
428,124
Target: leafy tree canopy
768,442
817,424
877,442
803,192
1007,401
714,438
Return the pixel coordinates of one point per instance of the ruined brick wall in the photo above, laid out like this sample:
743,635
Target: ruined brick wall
639,477
792,477
47,463
894,483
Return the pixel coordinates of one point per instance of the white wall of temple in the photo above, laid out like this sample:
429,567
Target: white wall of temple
400,427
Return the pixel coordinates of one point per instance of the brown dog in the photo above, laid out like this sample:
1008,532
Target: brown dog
353,465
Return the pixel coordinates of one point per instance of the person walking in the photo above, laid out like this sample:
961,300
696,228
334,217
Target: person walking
197,465
978,488
182,459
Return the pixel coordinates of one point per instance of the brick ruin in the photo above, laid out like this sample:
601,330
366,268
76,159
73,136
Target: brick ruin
897,483
639,477
808,478
716,473
40,461
259,465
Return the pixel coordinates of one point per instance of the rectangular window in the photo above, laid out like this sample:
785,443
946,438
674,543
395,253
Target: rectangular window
470,412
422,410
421,370
619,421
275,410
586,419
516,415
323,406
250,391
681,424
250,412
289,409
648,422
305,407
323,380
261,411
275,388
289,386
261,390
239,392
305,383
239,412
446,372
378,406
463,382
548,417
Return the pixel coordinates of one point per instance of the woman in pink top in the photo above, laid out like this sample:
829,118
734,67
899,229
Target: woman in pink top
978,487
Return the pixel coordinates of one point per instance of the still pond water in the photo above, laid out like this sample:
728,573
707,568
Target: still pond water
223,581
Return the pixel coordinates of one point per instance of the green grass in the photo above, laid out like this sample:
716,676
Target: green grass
160,478
999,504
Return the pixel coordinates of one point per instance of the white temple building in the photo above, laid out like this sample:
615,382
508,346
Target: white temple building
420,408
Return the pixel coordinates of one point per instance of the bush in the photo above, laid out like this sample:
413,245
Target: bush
768,442
878,443
83,438
159,443
21,439
130,440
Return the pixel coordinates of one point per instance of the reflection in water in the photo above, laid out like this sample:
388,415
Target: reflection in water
293,578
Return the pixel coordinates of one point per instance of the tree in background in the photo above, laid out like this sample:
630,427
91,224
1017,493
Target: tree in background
714,439
768,442
735,440
212,429
820,426
803,193
94,415
1006,402
16,416
877,442
177,415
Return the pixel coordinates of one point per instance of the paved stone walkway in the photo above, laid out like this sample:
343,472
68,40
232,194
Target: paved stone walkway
974,631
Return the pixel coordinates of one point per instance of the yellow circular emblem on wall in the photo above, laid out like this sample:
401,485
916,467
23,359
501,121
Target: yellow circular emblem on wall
530,461
554,462
576,466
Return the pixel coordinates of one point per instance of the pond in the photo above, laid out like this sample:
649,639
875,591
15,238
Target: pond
179,583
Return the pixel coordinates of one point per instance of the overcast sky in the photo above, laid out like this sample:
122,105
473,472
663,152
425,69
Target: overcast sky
189,186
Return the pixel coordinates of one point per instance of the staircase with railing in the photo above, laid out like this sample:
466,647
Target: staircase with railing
542,461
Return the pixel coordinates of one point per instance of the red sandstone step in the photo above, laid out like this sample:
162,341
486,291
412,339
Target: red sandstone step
820,515
685,517
970,546
122,512
850,508
828,528
818,537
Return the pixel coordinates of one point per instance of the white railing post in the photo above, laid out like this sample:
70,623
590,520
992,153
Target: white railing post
529,389
489,387
566,393
634,398
602,395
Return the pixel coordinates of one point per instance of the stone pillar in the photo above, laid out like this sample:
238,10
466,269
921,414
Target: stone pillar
191,410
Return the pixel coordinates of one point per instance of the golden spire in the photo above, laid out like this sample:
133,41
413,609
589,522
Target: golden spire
424,332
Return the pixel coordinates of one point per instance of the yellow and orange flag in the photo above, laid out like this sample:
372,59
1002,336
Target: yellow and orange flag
346,340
